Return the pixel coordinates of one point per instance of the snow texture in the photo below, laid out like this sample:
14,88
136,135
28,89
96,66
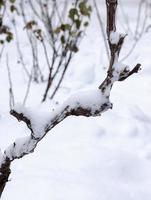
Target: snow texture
101,158
88,99
114,37
118,69
20,147
38,119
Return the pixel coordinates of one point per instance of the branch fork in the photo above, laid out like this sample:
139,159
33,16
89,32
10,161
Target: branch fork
85,103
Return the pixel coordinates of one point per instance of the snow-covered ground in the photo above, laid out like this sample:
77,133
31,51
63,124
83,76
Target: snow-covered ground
101,158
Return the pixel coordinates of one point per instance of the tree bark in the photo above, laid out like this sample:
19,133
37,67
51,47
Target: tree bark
4,174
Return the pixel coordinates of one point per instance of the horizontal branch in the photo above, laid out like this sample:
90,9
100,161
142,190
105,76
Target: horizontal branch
86,103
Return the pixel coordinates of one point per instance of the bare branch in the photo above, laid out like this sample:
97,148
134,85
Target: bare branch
111,14
19,49
11,94
102,28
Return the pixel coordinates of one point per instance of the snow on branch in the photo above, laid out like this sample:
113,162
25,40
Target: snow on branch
117,71
85,103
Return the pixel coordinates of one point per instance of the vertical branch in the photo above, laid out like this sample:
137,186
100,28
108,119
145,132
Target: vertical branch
33,44
21,57
111,6
126,19
139,30
1,52
28,88
62,76
115,41
102,28
11,94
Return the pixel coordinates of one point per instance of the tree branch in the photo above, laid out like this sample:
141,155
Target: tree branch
85,103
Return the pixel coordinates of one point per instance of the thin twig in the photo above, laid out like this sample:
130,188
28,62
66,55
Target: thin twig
62,76
102,28
1,52
28,88
11,94
138,34
19,50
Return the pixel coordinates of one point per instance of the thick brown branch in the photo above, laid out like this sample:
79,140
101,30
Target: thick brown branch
115,42
4,174
111,15
114,46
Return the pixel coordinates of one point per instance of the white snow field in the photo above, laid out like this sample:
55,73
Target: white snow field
96,158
